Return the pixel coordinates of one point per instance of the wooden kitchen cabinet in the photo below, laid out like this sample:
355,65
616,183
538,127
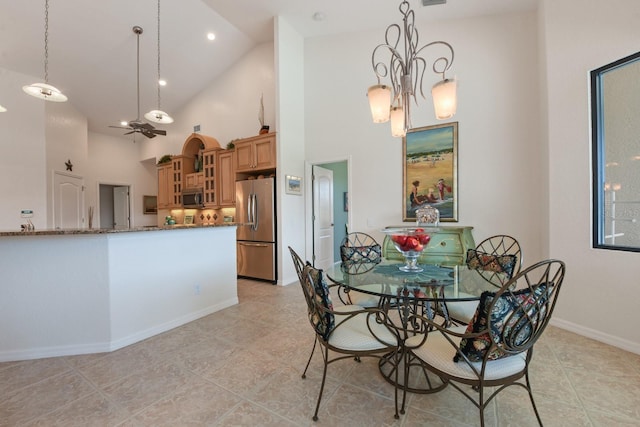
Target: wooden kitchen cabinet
226,177
209,168
164,185
175,192
256,153
194,180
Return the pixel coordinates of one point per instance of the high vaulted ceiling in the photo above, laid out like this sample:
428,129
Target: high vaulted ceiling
92,48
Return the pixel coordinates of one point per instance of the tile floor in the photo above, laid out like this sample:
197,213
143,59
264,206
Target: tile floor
241,367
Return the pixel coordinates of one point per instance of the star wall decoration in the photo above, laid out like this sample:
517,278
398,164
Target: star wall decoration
69,165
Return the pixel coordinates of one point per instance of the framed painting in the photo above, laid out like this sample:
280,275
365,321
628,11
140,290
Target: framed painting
149,205
293,185
430,171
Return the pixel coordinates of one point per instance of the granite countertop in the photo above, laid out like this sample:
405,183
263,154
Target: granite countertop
66,232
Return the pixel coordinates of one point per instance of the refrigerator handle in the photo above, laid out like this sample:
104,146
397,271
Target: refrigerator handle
249,209
255,212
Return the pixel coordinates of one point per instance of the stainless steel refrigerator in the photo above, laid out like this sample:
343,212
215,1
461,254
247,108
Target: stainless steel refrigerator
255,204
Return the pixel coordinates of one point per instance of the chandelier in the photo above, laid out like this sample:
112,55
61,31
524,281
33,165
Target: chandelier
406,73
45,90
158,116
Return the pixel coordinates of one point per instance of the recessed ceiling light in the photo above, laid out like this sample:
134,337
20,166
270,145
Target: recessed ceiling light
319,16
162,82
2,109
124,123
211,36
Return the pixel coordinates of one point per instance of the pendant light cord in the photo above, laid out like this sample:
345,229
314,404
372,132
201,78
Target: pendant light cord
46,41
158,82
138,72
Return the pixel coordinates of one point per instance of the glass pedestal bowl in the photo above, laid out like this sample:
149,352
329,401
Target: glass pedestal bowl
410,242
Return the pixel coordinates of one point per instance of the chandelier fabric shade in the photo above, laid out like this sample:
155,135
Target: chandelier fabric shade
398,128
380,102
405,68
445,102
45,90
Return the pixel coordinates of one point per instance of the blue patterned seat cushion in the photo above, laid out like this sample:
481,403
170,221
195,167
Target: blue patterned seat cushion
515,312
318,289
487,262
369,253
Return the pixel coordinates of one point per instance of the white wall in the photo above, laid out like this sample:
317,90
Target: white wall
23,161
501,171
227,109
599,298
291,148
116,161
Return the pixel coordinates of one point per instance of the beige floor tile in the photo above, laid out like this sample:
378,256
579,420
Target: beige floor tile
40,398
293,397
145,386
92,410
197,403
242,366
249,414
20,374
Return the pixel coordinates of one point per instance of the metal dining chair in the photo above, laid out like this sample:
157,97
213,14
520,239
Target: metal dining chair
496,259
496,348
348,331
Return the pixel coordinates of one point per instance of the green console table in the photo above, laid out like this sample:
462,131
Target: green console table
447,247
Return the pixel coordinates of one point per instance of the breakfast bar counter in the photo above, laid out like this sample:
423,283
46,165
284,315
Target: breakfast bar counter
66,292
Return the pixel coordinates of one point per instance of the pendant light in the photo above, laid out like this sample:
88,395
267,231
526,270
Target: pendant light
158,116
45,90
406,73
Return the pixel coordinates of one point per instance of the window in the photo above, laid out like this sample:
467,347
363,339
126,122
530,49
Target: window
615,120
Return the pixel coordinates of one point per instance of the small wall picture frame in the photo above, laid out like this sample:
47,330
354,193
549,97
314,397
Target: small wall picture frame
293,185
149,205
188,219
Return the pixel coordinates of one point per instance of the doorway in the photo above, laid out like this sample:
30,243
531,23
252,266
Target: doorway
340,209
68,201
114,203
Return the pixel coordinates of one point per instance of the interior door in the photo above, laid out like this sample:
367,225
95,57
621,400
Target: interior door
323,217
121,207
68,201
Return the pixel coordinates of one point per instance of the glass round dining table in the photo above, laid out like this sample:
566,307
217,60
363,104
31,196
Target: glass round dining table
405,294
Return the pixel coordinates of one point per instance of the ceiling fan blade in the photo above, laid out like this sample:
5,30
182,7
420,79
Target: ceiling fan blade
146,126
148,134
121,127
129,133
159,131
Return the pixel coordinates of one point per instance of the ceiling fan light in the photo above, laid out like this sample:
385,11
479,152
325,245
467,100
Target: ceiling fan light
158,116
44,91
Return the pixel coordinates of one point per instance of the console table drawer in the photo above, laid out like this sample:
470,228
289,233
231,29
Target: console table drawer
448,246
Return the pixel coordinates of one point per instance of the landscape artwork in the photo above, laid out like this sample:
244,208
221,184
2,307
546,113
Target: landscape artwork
430,171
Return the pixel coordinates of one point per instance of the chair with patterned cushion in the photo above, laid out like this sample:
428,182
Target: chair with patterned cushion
496,259
358,251
349,331
496,348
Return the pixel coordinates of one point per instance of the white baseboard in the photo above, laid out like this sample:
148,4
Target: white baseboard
74,350
618,342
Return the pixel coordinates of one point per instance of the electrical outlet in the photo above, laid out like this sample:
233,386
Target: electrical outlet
26,213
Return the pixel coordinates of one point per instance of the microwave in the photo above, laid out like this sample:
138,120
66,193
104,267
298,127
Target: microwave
192,198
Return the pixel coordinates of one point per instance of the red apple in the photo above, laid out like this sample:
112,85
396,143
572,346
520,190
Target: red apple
399,239
424,238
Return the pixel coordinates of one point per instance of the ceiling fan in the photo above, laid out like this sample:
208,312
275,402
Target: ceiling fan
137,125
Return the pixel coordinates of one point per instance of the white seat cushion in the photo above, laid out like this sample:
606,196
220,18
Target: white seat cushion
352,334
462,311
438,352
